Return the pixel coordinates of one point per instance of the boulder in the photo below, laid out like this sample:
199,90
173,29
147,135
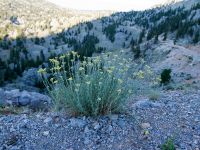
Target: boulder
24,98
30,77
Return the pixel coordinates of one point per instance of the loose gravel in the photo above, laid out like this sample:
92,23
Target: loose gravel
146,126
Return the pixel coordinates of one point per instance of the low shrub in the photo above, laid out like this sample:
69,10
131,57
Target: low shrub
166,76
154,95
7,110
168,145
94,86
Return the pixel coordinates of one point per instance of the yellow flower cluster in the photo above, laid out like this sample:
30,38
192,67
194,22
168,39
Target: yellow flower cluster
42,71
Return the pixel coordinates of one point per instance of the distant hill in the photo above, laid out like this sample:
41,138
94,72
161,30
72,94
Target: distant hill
31,31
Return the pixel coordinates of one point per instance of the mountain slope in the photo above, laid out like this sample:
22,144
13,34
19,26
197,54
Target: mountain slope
31,33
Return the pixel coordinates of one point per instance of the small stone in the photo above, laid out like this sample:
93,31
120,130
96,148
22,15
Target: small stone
96,125
87,130
145,125
77,123
46,133
56,119
113,117
110,128
24,124
12,140
146,104
86,141
195,142
122,123
48,120
196,120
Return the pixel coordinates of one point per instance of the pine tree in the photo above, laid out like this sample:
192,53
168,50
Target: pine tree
42,56
142,34
196,38
156,39
136,51
165,36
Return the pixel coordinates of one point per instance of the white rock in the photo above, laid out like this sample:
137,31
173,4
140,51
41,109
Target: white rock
77,123
145,125
46,133
113,117
48,120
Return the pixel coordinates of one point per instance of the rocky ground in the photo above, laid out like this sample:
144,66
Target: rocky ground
146,126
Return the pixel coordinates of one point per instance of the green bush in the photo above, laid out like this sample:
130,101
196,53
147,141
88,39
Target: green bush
95,86
168,145
166,76
136,51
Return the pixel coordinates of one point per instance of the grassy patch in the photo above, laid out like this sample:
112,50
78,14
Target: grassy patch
154,95
8,110
168,145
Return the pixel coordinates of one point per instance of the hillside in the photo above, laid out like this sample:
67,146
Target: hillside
30,33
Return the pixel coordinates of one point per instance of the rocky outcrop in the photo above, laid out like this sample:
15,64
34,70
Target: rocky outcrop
24,98
30,77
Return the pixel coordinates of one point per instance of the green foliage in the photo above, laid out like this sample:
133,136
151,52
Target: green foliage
197,6
196,38
156,39
8,110
168,145
37,41
110,31
10,74
42,56
2,64
96,85
142,34
165,21
166,76
87,47
19,42
2,71
136,51
89,25
165,36
100,49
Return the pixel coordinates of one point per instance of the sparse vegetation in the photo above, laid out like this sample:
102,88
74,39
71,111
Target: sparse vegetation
136,51
154,95
91,89
168,145
8,110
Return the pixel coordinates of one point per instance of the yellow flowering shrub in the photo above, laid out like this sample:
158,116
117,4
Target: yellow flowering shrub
93,86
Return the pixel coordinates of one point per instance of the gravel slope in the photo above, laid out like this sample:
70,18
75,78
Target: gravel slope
146,126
